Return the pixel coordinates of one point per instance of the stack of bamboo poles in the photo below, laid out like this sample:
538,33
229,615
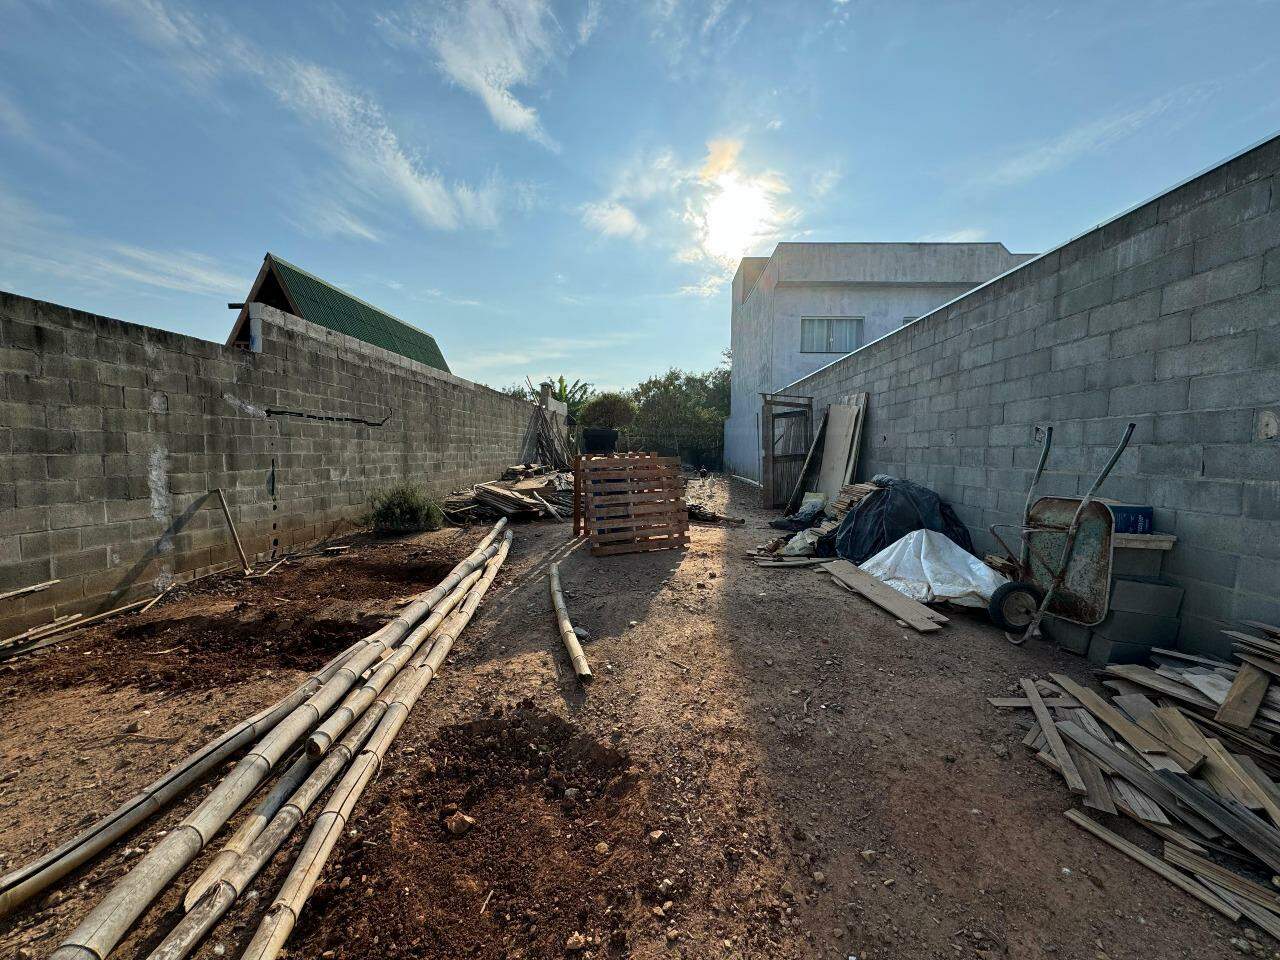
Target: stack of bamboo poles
346,714
508,502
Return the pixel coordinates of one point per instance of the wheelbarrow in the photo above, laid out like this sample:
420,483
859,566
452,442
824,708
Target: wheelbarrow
1063,568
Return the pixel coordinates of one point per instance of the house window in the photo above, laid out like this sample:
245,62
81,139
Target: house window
830,334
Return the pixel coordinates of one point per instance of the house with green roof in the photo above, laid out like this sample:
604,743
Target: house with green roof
285,287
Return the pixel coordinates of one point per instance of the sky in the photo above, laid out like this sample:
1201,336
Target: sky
566,187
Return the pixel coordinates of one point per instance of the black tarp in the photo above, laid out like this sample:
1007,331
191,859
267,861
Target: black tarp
887,515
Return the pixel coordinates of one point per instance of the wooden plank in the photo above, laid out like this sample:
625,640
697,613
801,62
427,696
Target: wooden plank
1136,853
1146,677
835,449
1241,886
1144,541
1097,796
34,588
1128,731
855,443
1149,782
883,596
1032,735
1264,627
1221,771
1262,663
618,524
1245,697
1266,787
1075,783
646,546
1014,703
1241,825
1144,713
1265,919
1136,803
640,533
602,501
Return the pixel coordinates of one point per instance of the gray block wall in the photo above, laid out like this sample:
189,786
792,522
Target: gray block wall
112,435
1168,316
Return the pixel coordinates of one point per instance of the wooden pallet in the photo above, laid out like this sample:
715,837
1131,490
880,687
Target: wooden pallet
630,503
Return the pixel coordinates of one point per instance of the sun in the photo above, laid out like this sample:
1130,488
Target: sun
738,212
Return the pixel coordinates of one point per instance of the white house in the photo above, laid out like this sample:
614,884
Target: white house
811,303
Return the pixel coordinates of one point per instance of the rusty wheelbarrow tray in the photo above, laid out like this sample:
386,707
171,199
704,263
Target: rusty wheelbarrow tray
1064,565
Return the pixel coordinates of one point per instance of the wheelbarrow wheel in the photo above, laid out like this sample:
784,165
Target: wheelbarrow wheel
1014,605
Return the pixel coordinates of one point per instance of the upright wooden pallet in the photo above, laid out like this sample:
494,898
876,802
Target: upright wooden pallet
630,503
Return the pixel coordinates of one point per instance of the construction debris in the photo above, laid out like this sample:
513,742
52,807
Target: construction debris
1184,748
525,491
832,512
701,514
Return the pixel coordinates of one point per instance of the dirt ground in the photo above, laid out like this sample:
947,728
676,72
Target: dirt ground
765,766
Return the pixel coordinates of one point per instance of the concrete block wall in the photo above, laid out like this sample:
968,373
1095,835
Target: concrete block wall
1167,316
112,436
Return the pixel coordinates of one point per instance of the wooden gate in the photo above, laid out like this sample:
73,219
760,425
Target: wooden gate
786,431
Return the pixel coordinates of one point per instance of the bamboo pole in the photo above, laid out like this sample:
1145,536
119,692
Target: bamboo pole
358,700
216,899
31,878
22,591
279,922
108,922
576,656
546,506
226,512
318,744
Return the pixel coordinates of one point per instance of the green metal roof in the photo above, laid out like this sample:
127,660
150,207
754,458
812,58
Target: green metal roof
324,304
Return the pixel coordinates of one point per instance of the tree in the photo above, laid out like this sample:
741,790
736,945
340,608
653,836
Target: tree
682,414
573,395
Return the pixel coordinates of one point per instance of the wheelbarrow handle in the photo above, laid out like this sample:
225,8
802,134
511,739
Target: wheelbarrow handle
1024,556
1124,442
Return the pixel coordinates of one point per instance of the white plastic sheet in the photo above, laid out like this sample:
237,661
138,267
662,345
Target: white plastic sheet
927,566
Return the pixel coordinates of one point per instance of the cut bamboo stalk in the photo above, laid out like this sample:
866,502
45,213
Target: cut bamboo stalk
156,599
279,922
76,622
22,591
108,922
216,899
354,706
576,656
226,512
358,700
18,886
27,881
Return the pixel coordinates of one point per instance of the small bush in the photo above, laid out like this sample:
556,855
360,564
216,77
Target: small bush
608,411
404,508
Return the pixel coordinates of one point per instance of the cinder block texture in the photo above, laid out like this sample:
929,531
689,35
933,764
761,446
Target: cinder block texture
1150,597
116,433
1167,316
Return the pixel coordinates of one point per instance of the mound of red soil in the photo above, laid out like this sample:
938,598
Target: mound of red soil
513,836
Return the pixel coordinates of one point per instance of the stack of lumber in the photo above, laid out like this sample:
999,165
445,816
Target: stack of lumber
332,731
1183,748
631,503
505,501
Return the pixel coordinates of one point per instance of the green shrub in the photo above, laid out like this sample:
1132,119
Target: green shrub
608,411
404,508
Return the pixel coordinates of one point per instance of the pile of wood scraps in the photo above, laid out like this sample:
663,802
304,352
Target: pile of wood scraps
1185,749
525,491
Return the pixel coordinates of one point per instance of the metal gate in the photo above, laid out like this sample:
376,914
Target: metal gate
786,432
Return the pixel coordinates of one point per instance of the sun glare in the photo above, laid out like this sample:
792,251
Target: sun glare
738,212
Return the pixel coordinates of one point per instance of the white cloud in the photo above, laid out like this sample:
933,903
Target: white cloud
51,245
709,214
379,170
824,182
542,349
489,47
1089,138
589,22
331,219
611,219
774,124
964,235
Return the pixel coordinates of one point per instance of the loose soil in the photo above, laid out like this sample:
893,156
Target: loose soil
827,784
